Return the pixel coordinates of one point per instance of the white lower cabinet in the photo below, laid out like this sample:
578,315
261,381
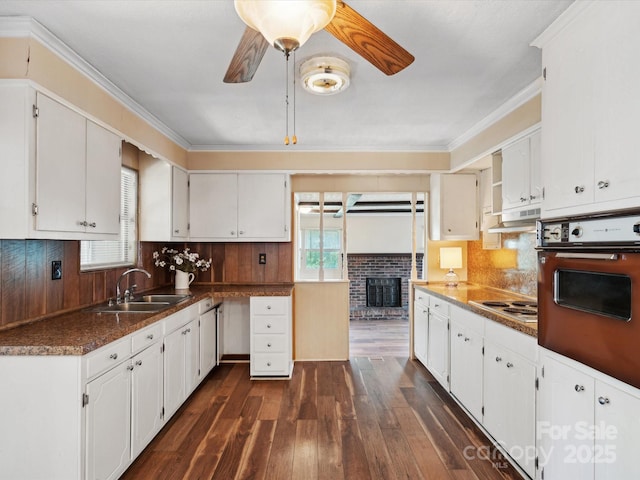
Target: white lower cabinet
181,359
72,417
108,414
588,423
208,338
420,326
467,332
438,347
270,337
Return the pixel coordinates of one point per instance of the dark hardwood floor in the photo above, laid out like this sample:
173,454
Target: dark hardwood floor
376,416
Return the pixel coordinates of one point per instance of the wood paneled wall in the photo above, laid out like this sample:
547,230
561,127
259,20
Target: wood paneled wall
27,292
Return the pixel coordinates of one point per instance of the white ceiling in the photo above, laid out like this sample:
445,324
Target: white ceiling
170,57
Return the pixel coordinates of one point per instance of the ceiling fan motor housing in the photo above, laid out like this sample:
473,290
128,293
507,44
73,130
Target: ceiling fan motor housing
325,75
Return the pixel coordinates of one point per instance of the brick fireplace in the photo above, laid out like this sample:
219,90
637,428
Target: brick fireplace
383,269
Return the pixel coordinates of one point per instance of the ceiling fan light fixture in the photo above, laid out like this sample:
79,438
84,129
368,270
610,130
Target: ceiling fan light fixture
325,75
293,20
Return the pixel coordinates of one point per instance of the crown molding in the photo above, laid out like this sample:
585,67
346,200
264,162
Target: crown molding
519,99
15,27
565,19
316,148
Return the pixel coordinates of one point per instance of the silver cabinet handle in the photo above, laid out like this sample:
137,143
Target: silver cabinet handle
139,362
233,232
498,359
92,224
523,199
130,367
113,356
509,365
268,364
466,339
83,223
240,232
579,388
460,335
579,189
176,231
603,400
268,307
532,197
603,184
150,336
269,345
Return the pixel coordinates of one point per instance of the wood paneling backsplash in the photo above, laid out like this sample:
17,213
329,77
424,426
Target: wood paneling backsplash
27,292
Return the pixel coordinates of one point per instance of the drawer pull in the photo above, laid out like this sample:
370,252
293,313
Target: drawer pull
150,336
466,339
268,325
113,356
498,359
130,367
139,362
268,307
603,400
268,364
579,388
509,365
460,335
269,345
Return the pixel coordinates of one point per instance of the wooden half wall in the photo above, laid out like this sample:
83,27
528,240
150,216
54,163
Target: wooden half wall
321,329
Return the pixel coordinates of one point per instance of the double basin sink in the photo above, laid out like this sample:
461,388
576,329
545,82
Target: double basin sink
145,304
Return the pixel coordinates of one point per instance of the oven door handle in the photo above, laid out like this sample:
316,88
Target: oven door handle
588,256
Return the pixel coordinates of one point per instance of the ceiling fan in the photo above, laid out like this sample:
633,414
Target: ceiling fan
287,24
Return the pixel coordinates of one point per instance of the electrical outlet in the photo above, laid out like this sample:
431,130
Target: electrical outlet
56,270
262,258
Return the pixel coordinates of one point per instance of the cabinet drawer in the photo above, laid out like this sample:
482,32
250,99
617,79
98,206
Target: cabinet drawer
270,343
269,305
108,356
204,305
439,306
420,298
270,324
269,364
146,337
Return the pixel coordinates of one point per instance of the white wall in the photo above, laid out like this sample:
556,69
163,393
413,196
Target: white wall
370,233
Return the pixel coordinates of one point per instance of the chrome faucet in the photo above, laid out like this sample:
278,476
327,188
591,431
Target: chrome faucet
125,273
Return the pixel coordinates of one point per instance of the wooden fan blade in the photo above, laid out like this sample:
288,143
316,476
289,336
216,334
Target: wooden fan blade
247,57
367,40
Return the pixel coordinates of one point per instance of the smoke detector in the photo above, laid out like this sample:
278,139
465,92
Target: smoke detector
325,75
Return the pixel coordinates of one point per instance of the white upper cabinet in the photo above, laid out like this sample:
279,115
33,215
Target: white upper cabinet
239,207
65,170
454,207
590,109
521,182
164,201
77,172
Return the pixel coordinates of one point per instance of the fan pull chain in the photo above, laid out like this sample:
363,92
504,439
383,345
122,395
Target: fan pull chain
294,140
286,99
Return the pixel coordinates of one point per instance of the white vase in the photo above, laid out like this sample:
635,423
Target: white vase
183,280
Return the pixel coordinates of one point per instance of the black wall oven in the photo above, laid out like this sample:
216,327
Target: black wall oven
588,298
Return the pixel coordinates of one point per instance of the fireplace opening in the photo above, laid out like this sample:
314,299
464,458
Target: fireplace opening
383,292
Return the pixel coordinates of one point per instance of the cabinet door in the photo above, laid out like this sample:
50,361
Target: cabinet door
208,342
438,348
174,371
618,433
179,203
458,208
535,172
515,174
568,117
420,331
192,353
213,205
146,397
565,402
615,70
509,403
262,200
108,423
466,368
104,164
60,167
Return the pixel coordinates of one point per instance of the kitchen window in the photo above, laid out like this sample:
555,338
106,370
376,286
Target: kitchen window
99,254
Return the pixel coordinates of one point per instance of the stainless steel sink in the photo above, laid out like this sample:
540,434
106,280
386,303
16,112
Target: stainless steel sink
133,307
171,298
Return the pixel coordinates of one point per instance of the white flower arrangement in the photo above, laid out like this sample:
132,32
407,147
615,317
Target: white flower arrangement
185,261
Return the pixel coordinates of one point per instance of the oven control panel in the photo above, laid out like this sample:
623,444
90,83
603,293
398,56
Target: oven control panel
621,231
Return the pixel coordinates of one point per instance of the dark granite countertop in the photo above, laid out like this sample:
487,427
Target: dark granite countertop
466,292
83,331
